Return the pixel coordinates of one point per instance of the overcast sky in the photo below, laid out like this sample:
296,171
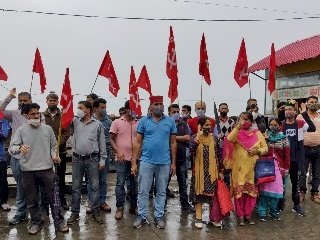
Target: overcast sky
81,43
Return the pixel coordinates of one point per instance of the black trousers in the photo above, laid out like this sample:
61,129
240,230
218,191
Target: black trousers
295,177
4,190
61,171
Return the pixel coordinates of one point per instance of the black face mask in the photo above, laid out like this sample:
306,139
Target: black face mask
52,108
206,131
281,115
223,114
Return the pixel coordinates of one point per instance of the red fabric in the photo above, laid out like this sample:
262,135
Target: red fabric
245,205
3,75
193,124
215,213
38,68
144,80
204,62
272,70
224,198
1,115
66,101
156,99
172,68
134,102
241,69
247,138
282,155
266,179
300,50
107,70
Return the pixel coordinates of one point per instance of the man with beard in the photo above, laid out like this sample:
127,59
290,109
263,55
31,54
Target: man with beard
52,117
186,112
156,135
280,111
226,123
312,149
259,120
17,119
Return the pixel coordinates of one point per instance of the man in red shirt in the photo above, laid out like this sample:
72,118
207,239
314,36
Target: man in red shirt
200,109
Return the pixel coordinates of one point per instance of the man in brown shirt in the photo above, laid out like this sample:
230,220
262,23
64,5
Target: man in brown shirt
53,118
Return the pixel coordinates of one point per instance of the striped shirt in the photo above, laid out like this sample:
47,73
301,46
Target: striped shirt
312,138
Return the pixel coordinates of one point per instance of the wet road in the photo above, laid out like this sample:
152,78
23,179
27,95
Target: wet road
179,224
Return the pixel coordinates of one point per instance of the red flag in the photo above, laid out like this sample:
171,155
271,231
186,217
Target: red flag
272,70
241,69
172,68
1,115
134,102
144,80
66,102
204,62
3,75
107,70
38,68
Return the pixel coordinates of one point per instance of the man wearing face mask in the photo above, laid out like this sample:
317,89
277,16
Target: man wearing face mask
17,119
156,135
294,129
100,113
259,120
183,137
186,112
312,149
123,131
280,112
36,144
52,117
226,123
89,146
200,109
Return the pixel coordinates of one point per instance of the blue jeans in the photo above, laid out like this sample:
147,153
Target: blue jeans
123,170
79,167
21,202
146,173
103,175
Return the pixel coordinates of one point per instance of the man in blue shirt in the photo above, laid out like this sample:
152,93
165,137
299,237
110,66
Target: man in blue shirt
156,134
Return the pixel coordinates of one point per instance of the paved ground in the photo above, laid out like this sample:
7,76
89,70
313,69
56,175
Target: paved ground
179,225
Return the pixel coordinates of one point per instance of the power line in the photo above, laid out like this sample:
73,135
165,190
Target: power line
245,7
155,19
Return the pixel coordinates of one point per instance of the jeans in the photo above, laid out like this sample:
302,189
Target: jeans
182,176
79,167
21,203
123,170
312,156
146,173
33,180
3,182
103,176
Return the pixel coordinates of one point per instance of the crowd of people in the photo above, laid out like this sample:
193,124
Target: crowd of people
150,150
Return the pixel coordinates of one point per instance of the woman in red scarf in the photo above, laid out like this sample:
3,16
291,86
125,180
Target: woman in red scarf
242,148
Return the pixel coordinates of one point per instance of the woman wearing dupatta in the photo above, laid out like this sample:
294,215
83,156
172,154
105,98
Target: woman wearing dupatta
271,193
242,149
205,169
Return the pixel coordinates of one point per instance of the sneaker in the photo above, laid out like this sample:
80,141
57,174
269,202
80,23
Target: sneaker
249,221
5,207
241,221
216,224
17,219
263,218
73,218
62,227
105,207
119,213
97,218
188,207
34,229
139,222
302,197
198,224
299,210
159,222
88,210
315,197
276,217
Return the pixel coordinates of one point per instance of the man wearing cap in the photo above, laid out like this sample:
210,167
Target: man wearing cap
122,133
156,135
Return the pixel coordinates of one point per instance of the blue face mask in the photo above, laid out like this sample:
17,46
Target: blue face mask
175,116
103,112
201,113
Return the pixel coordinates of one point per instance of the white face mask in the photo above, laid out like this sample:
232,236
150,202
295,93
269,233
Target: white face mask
34,122
254,115
80,113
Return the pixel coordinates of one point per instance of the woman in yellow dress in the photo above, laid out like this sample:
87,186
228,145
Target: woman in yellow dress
242,149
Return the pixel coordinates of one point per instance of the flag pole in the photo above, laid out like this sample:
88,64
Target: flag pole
59,135
250,87
94,84
4,87
31,82
201,92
